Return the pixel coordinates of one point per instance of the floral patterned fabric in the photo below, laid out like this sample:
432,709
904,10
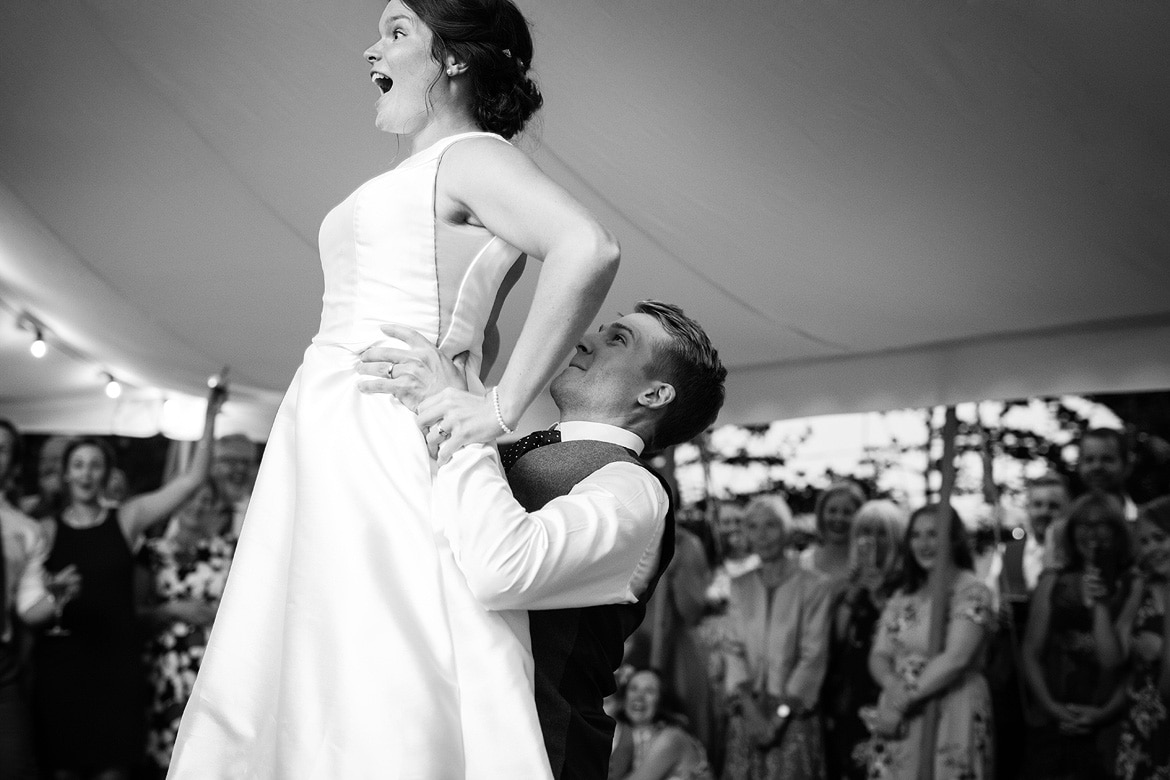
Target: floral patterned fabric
176,649
797,755
1144,749
963,747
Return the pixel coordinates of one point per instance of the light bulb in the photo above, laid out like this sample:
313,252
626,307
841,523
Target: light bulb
113,388
38,348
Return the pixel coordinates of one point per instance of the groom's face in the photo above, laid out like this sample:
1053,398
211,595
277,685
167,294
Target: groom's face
610,369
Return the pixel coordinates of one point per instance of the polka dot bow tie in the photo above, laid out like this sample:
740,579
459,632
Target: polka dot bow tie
513,452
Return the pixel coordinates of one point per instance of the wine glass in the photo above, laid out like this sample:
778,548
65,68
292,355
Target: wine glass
63,586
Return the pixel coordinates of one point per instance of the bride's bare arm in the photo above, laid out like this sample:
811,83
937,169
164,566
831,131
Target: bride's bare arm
483,181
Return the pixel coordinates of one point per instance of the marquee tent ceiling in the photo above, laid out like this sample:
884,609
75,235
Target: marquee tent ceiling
868,204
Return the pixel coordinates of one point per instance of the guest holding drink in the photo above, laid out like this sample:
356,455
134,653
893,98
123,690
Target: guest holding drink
874,569
26,597
87,698
1071,655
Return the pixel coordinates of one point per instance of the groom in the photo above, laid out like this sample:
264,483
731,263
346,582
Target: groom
581,530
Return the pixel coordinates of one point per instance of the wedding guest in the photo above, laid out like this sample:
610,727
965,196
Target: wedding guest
668,638
1144,628
779,626
834,511
1046,500
87,697
649,742
910,676
1071,654
188,569
24,598
736,558
50,495
234,463
874,568
1104,463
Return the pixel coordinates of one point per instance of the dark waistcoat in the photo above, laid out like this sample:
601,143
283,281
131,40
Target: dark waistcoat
576,651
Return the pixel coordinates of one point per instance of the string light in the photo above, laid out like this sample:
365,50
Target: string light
113,386
37,348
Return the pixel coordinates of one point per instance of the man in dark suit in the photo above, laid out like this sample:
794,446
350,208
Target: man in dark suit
579,531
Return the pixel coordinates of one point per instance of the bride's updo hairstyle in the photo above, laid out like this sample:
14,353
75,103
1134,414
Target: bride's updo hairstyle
492,38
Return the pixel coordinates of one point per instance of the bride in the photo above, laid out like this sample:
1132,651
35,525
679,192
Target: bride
347,643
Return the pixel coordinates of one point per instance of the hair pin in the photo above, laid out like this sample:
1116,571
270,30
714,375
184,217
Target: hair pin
508,53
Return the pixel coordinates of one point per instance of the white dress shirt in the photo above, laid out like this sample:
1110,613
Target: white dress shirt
25,552
596,545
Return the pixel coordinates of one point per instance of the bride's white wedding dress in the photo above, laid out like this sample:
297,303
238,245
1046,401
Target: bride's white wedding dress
347,644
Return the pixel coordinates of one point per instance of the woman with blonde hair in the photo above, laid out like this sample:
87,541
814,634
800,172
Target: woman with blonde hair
779,624
875,562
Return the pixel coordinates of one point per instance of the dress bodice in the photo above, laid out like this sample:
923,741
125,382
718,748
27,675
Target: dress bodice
378,255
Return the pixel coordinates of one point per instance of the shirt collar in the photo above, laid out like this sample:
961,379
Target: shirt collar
575,430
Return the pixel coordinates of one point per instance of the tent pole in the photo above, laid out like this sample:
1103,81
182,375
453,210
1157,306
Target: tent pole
939,583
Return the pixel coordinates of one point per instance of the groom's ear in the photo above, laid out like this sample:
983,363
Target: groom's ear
657,395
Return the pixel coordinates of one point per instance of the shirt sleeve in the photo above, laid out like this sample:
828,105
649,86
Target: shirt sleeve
596,545
30,588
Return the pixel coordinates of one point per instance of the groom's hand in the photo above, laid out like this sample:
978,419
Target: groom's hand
411,375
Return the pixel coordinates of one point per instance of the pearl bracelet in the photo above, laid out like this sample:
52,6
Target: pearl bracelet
499,416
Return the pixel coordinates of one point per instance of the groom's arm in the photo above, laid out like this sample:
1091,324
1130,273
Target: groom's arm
597,545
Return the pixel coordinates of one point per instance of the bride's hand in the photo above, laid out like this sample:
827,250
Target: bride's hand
413,374
453,418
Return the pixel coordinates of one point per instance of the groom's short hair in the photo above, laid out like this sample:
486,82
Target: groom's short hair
691,365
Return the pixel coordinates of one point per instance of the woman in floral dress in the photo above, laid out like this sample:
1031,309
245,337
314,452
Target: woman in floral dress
1144,749
188,568
910,676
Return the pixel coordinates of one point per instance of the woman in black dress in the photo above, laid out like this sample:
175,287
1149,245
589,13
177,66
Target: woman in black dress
1071,655
88,696
874,567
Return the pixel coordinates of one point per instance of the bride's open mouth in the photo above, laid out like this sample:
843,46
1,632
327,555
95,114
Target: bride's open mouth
381,81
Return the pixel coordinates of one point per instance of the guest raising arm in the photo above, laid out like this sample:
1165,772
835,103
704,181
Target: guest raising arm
89,680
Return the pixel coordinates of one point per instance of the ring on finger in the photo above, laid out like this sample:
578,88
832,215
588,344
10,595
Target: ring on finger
441,431
390,370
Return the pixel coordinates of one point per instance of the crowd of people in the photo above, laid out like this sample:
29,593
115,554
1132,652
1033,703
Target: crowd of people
760,661
818,662
108,602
